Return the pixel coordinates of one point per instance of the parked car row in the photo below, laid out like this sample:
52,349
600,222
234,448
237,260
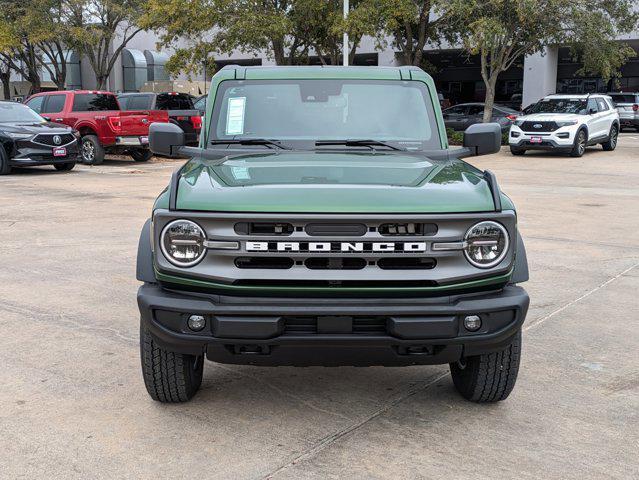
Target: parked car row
563,123
462,116
60,128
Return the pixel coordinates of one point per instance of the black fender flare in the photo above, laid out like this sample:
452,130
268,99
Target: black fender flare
520,272
144,271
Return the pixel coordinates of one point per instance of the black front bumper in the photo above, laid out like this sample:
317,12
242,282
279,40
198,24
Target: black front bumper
546,144
336,331
29,154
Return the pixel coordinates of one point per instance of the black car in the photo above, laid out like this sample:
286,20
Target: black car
27,139
179,105
462,116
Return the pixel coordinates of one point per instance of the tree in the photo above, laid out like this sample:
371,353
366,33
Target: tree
5,79
321,26
51,33
412,24
212,26
287,30
17,48
33,35
101,29
503,31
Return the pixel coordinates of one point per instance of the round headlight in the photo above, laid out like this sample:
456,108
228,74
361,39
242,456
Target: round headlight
182,243
486,244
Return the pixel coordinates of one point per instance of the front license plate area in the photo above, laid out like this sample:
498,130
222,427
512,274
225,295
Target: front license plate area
59,152
535,140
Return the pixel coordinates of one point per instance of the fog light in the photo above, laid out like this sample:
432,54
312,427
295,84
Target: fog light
472,323
196,322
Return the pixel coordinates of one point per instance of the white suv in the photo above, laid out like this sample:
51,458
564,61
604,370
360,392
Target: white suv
567,123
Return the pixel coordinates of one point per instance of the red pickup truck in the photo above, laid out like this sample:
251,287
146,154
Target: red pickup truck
104,128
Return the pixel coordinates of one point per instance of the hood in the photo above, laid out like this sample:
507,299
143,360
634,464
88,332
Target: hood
323,182
35,128
548,117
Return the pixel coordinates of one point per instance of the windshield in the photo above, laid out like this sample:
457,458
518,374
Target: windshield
313,110
559,105
17,113
619,98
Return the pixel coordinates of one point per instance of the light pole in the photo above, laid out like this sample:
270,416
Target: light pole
345,40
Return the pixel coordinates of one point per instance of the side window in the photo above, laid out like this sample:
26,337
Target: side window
592,105
602,105
124,102
454,110
54,104
35,104
139,102
475,110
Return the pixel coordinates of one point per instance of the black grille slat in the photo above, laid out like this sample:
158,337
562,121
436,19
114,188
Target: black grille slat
408,228
406,263
270,263
529,126
336,229
48,139
334,263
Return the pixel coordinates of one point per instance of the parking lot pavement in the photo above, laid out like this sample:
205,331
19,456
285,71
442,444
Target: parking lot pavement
73,404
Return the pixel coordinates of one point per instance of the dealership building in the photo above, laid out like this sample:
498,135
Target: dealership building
456,74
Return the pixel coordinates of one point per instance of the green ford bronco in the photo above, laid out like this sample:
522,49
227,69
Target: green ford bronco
324,220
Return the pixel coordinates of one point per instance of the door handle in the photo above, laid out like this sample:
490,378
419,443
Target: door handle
59,119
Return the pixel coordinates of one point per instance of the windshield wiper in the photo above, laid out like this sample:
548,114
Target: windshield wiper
251,141
359,143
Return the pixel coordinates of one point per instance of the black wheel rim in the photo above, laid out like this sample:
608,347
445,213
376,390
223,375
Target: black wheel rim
613,137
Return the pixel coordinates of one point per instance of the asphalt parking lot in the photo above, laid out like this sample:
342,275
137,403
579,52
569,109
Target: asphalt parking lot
73,404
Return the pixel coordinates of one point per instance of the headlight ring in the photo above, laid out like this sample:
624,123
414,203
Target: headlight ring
486,244
183,243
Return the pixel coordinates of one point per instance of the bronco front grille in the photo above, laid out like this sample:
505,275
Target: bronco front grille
334,251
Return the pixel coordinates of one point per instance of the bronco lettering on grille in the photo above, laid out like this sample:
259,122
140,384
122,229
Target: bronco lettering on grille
344,247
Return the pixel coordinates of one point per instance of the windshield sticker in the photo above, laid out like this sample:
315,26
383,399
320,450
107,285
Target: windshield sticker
235,116
240,173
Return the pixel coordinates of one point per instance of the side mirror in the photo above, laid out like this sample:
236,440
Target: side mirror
483,138
166,139
592,111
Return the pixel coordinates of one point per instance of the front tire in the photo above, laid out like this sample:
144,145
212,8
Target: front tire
169,377
610,144
579,147
141,155
64,167
91,150
5,168
517,151
489,377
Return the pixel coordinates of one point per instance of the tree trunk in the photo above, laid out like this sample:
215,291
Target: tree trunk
278,52
101,81
6,85
490,97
